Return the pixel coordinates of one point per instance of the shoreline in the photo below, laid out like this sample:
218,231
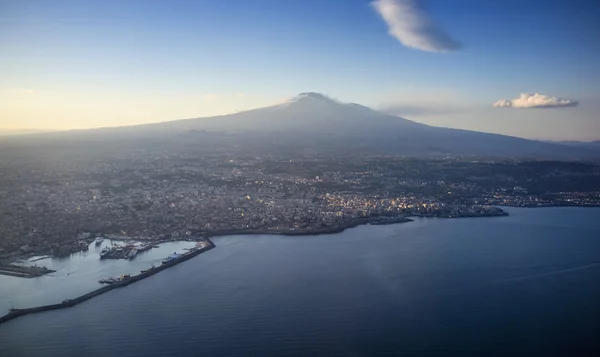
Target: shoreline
313,232
14,256
342,227
14,313
562,205
353,223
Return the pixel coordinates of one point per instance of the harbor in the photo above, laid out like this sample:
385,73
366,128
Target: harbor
166,263
78,273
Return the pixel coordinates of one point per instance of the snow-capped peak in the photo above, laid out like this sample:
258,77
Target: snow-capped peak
313,97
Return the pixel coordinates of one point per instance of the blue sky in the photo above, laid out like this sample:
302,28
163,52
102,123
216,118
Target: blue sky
79,64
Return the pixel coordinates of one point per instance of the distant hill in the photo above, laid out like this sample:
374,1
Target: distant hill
579,143
7,132
316,121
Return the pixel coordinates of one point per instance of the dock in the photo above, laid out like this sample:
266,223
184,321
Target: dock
14,313
24,271
124,252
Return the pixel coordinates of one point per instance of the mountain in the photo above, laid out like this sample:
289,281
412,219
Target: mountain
316,121
7,132
589,144
305,113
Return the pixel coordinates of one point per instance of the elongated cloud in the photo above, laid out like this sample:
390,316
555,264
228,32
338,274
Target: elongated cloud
535,100
410,23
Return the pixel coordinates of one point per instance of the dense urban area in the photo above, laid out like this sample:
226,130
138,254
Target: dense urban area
48,204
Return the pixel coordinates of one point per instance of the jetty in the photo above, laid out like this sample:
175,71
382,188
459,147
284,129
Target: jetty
24,271
14,313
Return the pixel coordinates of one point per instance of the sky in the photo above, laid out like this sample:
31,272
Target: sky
522,68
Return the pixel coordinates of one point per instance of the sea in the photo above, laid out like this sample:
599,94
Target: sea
527,284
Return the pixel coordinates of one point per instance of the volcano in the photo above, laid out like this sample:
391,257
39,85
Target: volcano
316,120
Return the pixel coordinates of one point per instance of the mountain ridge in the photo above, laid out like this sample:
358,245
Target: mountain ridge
312,119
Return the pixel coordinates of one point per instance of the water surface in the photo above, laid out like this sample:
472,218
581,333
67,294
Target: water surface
77,274
526,284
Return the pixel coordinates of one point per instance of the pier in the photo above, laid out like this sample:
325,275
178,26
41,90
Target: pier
24,271
124,251
14,313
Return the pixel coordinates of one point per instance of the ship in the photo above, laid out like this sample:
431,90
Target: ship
104,252
108,281
147,270
98,240
170,258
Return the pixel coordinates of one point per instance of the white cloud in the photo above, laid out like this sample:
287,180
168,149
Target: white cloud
536,100
410,23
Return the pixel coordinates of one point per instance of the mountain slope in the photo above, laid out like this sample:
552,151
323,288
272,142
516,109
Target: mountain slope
307,112
317,119
319,122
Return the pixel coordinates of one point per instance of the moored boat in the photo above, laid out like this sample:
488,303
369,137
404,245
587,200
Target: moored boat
104,252
109,280
170,258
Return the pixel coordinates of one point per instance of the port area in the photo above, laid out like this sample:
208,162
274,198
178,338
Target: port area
128,251
124,280
24,271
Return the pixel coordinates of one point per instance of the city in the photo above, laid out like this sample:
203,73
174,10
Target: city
178,195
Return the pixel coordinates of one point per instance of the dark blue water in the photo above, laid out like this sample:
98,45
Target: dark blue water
527,284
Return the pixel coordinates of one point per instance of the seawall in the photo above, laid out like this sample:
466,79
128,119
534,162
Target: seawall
14,313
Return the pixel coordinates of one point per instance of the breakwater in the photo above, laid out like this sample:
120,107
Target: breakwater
14,313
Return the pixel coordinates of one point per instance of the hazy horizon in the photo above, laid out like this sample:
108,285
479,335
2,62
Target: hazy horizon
512,70
25,131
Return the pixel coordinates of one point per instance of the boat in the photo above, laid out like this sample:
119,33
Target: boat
170,258
147,270
144,248
108,280
104,252
98,240
131,254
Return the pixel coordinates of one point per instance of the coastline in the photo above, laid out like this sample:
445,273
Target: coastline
14,313
312,232
339,228
563,205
